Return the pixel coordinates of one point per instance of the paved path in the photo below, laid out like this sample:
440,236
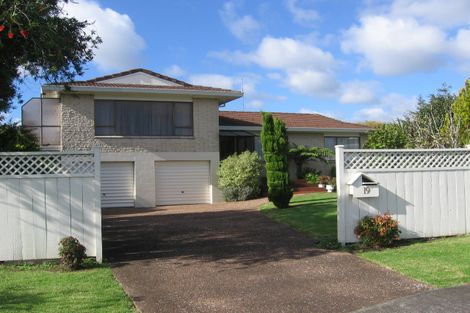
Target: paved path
231,258
449,300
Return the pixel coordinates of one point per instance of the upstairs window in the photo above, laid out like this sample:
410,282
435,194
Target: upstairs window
143,118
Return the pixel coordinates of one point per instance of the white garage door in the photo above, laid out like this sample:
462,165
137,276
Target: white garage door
182,182
117,184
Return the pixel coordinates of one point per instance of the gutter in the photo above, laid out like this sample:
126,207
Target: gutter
232,95
299,129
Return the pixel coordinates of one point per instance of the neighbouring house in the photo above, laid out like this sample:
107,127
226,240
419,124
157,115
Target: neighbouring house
240,131
160,138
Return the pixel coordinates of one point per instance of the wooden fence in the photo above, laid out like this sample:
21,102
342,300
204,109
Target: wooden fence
427,191
46,196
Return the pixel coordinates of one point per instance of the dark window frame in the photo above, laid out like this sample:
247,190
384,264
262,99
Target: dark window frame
174,129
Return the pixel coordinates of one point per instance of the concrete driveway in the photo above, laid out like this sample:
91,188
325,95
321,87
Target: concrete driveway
231,258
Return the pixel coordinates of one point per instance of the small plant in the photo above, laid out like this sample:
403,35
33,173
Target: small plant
312,178
324,179
332,181
239,176
377,231
71,253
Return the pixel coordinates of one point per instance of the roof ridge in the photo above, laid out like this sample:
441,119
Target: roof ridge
136,70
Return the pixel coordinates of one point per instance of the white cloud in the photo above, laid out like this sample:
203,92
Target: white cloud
304,110
305,68
390,107
371,114
256,103
174,71
122,46
395,46
358,92
245,28
215,80
302,16
445,14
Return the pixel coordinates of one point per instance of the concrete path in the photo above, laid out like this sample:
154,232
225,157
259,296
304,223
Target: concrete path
231,258
449,300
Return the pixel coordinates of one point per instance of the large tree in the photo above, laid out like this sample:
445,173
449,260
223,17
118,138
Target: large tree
457,126
424,125
387,136
275,149
38,38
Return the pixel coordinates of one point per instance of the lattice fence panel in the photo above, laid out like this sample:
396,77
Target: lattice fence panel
47,164
415,159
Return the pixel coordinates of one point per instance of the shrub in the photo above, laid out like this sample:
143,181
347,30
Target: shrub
239,176
275,149
312,178
71,253
377,231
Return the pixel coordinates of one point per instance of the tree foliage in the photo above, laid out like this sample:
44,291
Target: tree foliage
275,148
38,38
239,176
387,136
457,126
16,138
424,125
301,154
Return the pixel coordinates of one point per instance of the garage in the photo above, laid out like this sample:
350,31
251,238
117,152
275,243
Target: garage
182,182
117,185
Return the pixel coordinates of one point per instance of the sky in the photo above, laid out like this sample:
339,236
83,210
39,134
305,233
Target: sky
354,60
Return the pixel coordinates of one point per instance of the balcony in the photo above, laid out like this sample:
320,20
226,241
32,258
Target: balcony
42,117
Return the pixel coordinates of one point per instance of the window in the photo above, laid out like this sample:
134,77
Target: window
347,142
235,144
143,118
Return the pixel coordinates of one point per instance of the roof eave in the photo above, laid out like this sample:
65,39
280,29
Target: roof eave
222,96
300,129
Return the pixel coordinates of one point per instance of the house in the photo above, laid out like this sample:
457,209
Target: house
240,131
159,137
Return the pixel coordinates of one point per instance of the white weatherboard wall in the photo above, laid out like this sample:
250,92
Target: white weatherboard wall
427,191
46,196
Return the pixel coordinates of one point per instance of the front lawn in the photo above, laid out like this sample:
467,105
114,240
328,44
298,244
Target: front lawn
441,262
313,214
44,288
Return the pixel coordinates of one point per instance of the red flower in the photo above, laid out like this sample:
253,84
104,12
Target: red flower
2,27
24,33
10,35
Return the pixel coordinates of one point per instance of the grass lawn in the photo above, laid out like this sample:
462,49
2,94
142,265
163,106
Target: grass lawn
44,288
441,262
313,214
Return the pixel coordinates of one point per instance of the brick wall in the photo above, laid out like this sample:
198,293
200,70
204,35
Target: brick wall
78,132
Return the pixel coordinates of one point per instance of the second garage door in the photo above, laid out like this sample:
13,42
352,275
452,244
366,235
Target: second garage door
117,184
182,182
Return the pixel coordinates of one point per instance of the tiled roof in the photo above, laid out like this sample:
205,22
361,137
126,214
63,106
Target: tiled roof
237,118
115,85
98,82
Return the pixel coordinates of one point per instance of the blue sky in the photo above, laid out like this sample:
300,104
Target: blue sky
350,59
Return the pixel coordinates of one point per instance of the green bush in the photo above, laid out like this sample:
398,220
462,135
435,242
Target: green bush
275,149
239,176
71,253
377,231
312,178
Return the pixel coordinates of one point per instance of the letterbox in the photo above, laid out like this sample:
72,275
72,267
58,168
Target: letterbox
362,186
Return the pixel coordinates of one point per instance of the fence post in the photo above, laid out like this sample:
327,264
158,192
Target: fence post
97,185
340,190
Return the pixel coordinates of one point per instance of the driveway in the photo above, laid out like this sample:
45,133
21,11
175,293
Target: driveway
231,258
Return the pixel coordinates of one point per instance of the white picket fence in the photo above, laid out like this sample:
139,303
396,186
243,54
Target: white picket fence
46,196
427,191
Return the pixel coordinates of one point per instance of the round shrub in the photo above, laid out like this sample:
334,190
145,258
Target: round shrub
71,253
239,176
312,178
377,231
